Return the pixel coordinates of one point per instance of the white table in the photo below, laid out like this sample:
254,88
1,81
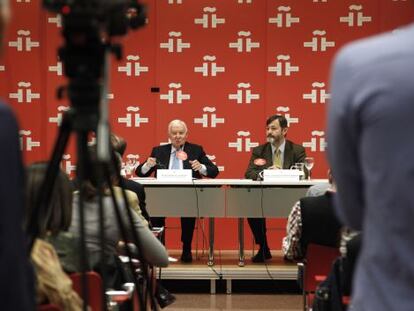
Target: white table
224,198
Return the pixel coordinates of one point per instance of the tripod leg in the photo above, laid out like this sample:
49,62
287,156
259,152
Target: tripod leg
82,162
123,230
41,210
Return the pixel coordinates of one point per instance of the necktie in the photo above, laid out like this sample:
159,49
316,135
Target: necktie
277,159
175,161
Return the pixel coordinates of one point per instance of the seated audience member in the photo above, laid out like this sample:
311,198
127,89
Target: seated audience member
164,297
53,284
154,252
311,220
119,144
179,154
277,153
320,189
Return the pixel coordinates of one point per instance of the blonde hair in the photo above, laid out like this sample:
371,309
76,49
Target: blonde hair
4,19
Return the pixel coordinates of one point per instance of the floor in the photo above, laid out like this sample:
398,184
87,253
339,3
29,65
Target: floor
253,287
192,302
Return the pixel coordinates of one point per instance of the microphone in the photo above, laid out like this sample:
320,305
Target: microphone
270,139
159,165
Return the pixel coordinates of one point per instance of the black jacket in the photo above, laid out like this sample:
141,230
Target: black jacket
194,152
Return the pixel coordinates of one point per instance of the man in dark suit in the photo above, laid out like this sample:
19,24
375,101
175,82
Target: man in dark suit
179,154
277,153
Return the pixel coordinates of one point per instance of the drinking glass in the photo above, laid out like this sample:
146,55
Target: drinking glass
301,167
131,165
309,162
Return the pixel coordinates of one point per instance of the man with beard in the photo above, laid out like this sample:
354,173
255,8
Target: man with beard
179,154
277,153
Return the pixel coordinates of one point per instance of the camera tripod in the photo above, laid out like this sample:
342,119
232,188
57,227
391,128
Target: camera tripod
84,124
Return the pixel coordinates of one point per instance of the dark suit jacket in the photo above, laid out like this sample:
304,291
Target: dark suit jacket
319,222
293,154
16,275
194,152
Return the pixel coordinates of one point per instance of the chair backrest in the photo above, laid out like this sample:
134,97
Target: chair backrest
94,283
319,260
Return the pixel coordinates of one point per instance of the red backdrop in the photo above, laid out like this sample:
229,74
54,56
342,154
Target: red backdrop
222,66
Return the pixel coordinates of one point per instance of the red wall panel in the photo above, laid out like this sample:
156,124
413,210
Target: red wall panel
273,56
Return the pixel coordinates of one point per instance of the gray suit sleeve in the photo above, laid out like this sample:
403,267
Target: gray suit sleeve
153,250
343,129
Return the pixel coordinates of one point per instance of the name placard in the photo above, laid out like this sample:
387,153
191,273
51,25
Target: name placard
281,175
174,175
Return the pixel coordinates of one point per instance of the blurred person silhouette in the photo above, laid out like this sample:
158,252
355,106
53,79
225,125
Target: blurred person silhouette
53,284
16,273
168,157
164,297
154,252
320,188
370,128
277,153
119,144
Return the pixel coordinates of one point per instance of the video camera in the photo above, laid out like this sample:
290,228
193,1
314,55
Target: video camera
87,27
112,16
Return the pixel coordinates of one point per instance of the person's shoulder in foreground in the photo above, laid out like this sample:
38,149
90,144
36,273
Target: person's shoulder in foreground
16,281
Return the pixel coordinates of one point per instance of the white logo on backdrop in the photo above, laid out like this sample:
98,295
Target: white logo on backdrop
244,94
132,118
24,42
209,19
175,95
209,67
24,93
283,66
209,115
355,16
244,43
133,66
284,18
243,142
175,43
319,42
317,142
26,141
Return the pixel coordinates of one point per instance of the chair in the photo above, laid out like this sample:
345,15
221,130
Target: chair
314,269
94,283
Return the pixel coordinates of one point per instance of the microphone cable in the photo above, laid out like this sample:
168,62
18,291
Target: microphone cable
219,274
263,230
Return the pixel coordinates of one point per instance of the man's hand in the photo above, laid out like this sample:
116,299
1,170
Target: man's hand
151,162
195,165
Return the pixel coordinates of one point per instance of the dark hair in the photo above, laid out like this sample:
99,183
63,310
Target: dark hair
93,171
118,143
59,212
282,120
